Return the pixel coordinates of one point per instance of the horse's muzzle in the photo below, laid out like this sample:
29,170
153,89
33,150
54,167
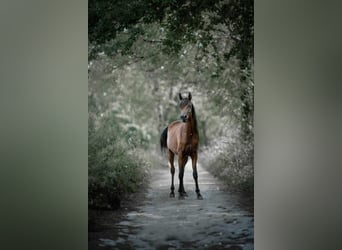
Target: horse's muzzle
184,118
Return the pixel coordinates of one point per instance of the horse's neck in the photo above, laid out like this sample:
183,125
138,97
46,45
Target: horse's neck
192,127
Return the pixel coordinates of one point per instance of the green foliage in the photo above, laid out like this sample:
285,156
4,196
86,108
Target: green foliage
116,162
233,96
115,170
184,22
232,161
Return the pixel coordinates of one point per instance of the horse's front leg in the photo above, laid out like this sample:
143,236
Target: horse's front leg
181,164
172,170
195,175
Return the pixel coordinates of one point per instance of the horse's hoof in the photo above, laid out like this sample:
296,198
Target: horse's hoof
181,196
172,195
199,197
185,194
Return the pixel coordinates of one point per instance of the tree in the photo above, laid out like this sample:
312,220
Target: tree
184,21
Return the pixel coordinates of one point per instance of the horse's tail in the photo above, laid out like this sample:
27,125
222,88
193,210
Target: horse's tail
163,140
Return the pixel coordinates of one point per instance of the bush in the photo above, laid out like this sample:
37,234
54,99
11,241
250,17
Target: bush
114,170
231,160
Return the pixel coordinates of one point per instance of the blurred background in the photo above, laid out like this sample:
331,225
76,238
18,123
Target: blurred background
141,54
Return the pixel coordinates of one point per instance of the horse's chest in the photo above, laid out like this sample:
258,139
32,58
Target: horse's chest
191,146
189,149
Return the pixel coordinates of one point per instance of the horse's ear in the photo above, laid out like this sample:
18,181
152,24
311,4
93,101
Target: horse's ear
189,97
180,96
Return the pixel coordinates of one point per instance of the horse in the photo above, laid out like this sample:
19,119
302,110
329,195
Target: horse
181,138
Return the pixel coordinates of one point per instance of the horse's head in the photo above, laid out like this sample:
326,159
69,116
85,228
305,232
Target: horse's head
185,105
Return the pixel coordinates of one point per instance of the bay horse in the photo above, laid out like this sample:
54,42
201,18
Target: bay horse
181,138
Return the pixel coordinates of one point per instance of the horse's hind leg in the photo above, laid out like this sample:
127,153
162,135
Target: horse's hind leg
172,170
195,175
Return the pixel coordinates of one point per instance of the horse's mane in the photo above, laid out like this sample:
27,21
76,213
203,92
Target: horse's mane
194,117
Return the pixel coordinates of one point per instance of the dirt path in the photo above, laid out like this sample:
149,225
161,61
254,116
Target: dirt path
219,221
